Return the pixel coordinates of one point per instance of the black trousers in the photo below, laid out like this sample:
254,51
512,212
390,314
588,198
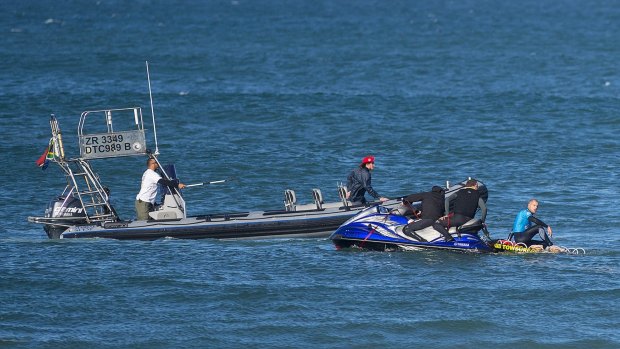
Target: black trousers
526,237
453,221
456,220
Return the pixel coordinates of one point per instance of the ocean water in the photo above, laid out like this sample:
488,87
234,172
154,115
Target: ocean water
292,94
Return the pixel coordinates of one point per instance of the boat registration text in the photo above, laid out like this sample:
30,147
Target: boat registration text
115,144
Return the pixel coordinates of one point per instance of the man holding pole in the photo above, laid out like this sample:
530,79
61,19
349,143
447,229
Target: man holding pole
145,200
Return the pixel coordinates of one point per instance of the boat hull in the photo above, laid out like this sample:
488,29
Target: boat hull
245,225
193,228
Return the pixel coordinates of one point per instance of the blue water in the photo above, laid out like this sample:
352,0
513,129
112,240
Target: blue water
292,94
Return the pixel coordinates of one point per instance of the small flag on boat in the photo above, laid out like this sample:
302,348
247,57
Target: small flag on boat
47,155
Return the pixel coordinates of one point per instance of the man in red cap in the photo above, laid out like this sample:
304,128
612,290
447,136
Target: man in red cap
358,182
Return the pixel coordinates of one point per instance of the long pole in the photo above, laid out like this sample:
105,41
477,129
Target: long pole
206,183
148,76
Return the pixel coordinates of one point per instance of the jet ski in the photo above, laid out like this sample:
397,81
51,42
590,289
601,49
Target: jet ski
381,228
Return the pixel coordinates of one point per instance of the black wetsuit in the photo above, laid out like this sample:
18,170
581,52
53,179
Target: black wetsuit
465,206
358,183
432,210
466,203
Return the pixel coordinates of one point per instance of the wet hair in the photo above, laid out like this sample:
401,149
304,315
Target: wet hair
437,189
471,183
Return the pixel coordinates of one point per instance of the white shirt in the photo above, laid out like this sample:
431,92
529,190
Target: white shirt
148,188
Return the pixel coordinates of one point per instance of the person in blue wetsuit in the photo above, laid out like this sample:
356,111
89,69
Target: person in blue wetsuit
526,226
359,182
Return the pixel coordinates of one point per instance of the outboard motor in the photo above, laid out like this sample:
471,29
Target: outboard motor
68,210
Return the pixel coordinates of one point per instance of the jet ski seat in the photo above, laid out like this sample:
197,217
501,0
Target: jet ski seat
427,234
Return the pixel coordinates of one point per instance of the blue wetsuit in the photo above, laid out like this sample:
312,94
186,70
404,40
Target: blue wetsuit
526,226
522,223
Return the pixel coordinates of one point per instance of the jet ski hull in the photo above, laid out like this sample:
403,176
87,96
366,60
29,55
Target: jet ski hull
378,229
378,242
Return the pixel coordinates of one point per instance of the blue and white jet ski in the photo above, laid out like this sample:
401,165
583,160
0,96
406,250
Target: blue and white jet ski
381,228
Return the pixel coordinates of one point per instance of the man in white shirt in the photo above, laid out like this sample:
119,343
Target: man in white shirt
145,200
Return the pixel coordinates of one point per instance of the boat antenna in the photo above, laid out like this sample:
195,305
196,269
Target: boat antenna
148,77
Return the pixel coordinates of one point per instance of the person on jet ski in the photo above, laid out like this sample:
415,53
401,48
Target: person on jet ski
358,182
526,226
432,210
468,200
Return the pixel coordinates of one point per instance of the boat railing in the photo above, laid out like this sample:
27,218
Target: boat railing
98,140
342,193
291,204
108,133
123,136
86,186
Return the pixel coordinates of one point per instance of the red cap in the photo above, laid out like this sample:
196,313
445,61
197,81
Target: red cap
369,159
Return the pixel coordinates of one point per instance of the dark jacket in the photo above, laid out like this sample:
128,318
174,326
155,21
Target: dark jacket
432,202
467,202
358,183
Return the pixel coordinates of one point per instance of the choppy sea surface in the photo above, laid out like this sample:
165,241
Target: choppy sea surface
292,94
